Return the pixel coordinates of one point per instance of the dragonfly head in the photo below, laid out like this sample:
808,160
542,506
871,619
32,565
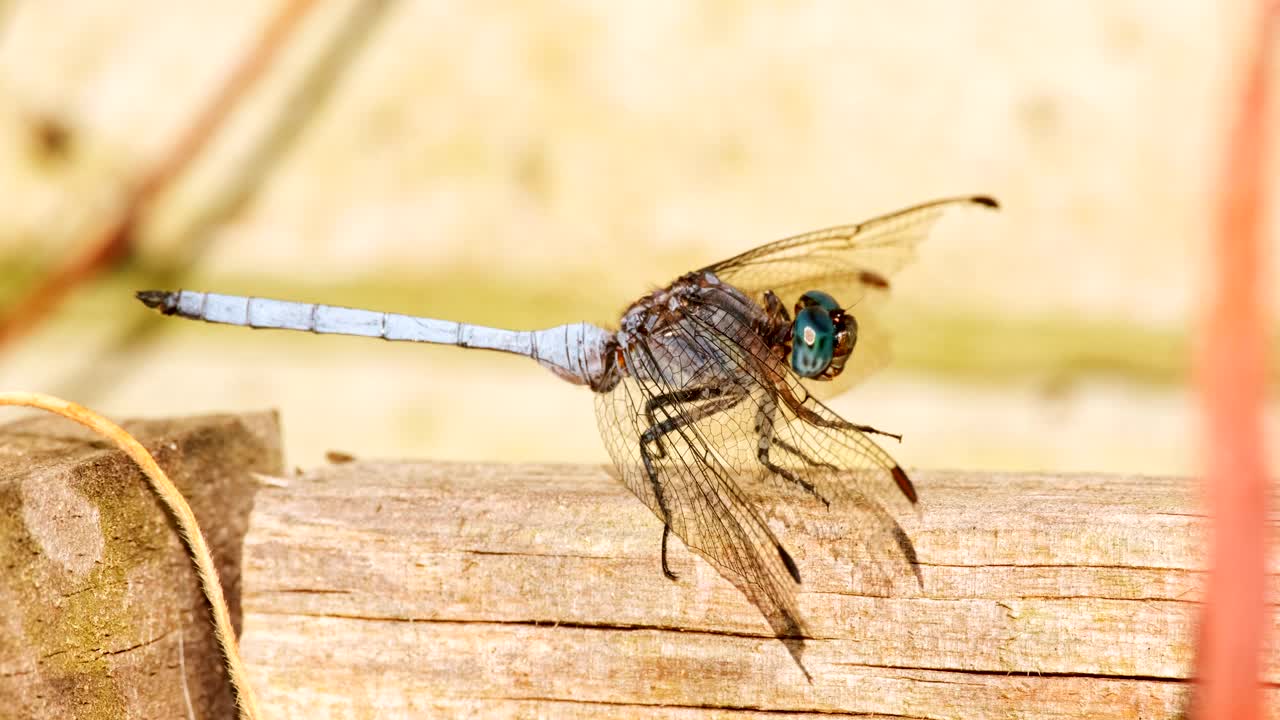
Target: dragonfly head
823,336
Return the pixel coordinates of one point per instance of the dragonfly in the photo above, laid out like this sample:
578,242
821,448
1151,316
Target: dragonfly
710,390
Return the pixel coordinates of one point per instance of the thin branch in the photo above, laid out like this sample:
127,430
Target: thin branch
316,87
111,244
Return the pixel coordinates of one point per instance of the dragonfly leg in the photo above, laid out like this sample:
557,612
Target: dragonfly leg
659,402
658,492
666,569
764,433
653,435
881,458
869,429
797,452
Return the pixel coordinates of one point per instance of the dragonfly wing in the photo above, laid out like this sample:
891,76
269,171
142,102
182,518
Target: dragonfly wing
806,440
852,263
683,428
847,261
703,501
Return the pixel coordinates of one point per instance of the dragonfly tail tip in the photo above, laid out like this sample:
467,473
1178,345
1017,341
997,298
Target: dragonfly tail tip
987,201
158,299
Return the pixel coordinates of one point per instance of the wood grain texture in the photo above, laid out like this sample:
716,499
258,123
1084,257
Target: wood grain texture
101,614
427,590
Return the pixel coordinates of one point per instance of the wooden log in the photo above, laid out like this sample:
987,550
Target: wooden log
435,590
102,614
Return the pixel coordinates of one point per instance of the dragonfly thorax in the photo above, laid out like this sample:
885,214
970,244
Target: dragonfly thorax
694,332
822,336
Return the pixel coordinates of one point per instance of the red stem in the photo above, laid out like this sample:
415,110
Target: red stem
1233,386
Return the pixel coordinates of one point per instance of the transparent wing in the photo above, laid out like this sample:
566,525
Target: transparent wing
706,506
853,263
807,447
845,463
684,431
848,261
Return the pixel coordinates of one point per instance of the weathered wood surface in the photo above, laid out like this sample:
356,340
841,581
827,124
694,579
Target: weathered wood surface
101,614
430,590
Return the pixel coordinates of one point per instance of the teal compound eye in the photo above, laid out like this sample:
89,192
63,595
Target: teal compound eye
819,299
813,341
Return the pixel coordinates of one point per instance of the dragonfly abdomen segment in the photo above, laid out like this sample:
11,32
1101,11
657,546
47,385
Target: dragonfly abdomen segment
576,352
258,312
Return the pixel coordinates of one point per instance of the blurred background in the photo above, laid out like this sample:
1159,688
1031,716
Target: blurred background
529,164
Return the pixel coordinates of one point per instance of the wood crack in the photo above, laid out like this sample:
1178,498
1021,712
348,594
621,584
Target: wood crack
609,627
1022,673
144,643
509,553
1062,566
781,712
